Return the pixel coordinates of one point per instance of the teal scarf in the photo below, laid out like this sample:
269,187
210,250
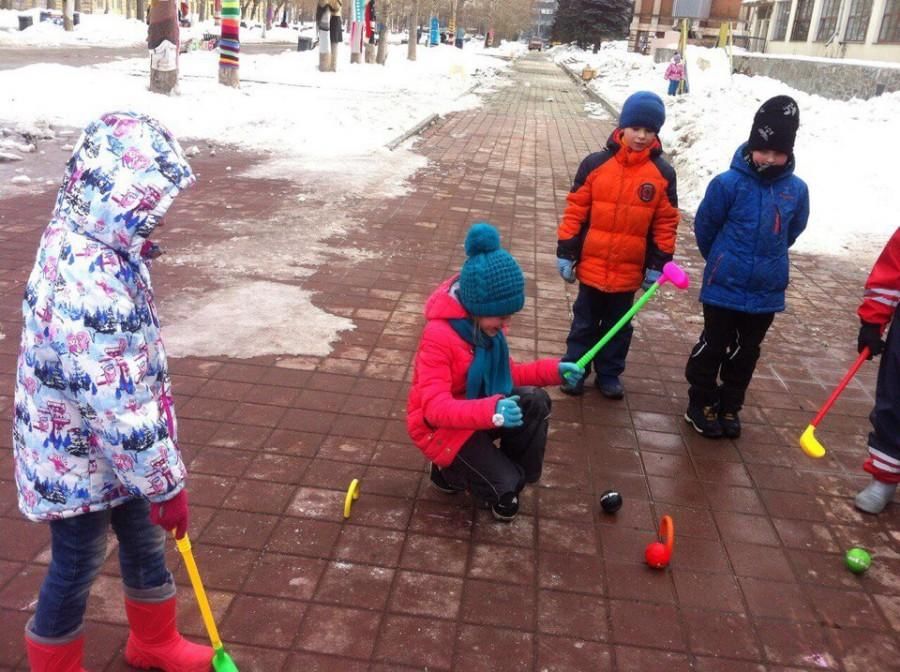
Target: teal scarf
489,373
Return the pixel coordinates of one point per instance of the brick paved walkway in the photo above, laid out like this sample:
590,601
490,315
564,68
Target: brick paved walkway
417,580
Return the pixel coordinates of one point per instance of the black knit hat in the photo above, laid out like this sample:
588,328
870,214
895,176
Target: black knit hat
775,125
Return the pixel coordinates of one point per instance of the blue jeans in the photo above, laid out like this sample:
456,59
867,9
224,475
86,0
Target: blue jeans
79,549
593,314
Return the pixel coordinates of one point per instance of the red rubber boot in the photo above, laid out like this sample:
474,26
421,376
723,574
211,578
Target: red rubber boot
154,641
55,657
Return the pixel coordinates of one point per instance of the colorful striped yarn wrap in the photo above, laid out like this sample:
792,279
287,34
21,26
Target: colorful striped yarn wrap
230,43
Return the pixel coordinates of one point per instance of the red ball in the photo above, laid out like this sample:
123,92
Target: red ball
657,555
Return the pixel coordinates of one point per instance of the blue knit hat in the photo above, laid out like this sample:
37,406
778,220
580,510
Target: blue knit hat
643,110
491,283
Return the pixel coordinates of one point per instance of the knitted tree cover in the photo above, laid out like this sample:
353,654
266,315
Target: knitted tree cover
230,43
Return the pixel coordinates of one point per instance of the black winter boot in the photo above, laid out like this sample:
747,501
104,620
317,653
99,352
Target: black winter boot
705,419
731,424
507,508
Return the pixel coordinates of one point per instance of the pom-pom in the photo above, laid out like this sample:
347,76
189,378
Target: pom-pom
482,238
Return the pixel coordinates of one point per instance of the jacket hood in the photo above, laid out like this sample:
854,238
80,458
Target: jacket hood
124,173
738,163
442,305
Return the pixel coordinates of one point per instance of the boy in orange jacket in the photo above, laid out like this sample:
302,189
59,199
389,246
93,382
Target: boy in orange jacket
880,307
617,232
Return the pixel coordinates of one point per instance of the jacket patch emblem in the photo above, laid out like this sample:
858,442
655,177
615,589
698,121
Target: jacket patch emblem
646,192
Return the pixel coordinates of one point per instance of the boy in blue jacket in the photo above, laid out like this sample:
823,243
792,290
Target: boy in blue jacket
750,216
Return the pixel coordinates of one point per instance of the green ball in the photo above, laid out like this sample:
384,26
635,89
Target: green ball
858,560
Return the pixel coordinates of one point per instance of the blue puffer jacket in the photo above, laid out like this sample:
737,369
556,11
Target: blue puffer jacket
744,227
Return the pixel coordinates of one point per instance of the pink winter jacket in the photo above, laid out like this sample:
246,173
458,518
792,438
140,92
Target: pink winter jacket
675,71
439,418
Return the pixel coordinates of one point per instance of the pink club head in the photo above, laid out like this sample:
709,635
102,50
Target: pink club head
673,273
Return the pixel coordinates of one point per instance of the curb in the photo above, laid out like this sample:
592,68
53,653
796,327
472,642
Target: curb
591,93
425,123
415,130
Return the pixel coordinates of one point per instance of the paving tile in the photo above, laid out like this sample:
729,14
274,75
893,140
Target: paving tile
508,564
639,623
572,615
489,649
631,659
262,621
422,643
707,591
355,585
638,582
498,604
285,576
338,630
426,594
796,644
303,536
776,599
713,633
565,654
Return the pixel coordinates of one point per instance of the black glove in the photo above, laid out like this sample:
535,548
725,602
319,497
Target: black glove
870,337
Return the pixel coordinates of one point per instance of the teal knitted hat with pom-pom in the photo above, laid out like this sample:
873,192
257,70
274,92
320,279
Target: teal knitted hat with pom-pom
491,283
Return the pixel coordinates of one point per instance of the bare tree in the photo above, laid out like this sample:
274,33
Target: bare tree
413,30
69,15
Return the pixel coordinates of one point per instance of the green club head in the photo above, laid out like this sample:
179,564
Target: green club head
222,662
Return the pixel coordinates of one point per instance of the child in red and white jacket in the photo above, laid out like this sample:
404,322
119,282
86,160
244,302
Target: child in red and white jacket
880,308
466,390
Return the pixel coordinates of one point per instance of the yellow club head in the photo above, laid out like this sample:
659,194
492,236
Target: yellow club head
810,444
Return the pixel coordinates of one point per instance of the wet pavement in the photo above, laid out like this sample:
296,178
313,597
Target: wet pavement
417,580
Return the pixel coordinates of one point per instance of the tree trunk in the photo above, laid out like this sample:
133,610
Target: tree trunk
269,12
413,29
382,45
162,39
68,16
141,10
202,10
230,43
128,14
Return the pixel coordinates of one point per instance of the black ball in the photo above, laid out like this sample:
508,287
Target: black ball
611,501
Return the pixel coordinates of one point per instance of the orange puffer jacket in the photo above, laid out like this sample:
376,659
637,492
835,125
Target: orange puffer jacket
621,216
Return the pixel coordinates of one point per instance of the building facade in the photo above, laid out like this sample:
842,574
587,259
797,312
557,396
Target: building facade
858,29
655,20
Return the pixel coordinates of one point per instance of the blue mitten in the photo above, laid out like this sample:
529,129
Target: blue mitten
650,276
571,373
566,268
509,409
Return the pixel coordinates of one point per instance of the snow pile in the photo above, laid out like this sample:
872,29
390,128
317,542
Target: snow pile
849,176
106,30
284,106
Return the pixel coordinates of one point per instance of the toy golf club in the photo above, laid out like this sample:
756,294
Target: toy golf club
808,441
221,661
671,272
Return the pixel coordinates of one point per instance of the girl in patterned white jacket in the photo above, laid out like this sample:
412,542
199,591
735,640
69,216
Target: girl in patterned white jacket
94,431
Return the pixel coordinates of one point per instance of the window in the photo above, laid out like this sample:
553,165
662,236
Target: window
858,20
802,17
782,12
828,20
890,23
